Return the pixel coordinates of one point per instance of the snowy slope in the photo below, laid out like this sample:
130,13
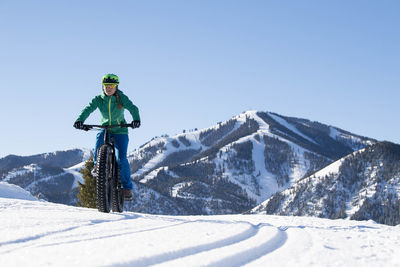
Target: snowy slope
254,155
34,233
13,191
224,169
363,185
48,175
75,171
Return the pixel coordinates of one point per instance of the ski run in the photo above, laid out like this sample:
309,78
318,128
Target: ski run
38,233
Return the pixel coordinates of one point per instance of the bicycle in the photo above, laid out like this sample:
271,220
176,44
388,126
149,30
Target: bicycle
110,195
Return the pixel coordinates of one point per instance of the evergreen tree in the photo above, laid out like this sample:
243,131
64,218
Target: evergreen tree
87,190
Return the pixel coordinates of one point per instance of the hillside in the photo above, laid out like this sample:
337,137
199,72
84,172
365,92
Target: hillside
49,176
361,186
239,163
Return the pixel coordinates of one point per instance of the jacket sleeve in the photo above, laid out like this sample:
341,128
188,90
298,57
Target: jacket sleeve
127,103
88,110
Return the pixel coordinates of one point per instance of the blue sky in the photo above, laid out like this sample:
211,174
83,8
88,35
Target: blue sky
190,64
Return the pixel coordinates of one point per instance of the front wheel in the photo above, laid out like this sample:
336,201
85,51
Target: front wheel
117,191
104,176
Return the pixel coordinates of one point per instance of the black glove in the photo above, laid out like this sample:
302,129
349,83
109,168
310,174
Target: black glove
135,124
78,125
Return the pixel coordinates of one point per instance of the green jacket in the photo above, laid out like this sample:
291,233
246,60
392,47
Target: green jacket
110,112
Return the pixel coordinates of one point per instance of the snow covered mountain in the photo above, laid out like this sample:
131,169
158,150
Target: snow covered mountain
239,163
40,233
228,168
49,176
363,185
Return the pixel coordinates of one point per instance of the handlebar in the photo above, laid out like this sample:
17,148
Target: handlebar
91,126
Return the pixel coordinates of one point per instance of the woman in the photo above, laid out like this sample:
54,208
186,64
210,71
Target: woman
111,103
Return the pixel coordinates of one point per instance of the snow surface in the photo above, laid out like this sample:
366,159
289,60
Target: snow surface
38,233
21,171
337,135
266,180
334,167
289,126
75,171
168,149
14,191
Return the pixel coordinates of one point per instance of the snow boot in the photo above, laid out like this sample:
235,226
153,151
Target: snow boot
128,195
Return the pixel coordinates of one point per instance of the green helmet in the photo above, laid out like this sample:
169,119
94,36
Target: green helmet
110,79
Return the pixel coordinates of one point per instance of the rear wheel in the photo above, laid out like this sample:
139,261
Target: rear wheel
117,192
104,175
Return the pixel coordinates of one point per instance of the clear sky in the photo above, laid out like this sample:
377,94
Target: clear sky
190,64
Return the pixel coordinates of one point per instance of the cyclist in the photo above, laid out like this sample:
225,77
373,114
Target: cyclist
111,103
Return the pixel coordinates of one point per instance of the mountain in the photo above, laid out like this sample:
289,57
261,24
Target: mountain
239,163
49,176
361,186
228,168
62,159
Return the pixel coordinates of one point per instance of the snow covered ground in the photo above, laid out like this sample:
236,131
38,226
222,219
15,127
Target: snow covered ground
37,233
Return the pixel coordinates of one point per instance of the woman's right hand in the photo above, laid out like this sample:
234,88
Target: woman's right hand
78,125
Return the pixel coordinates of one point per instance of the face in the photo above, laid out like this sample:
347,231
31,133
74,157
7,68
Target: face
109,89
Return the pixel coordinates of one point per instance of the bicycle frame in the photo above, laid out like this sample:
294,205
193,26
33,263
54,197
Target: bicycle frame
109,188
108,139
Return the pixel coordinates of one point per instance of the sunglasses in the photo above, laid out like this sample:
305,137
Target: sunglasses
110,85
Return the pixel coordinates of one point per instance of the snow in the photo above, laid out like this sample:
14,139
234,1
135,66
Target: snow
289,126
21,171
38,233
330,169
179,186
168,148
87,153
75,171
13,191
334,167
151,175
336,134
162,154
43,179
152,163
266,180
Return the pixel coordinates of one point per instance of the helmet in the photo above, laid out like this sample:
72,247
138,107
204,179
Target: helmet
110,79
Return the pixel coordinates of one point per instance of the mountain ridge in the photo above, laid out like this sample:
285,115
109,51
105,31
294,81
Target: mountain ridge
236,151
363,185
230,167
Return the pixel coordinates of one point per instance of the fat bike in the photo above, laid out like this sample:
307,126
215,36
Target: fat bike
110,193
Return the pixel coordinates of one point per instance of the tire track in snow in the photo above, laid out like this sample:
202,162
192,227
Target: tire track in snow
254,253
55,232
113,235
168,256
237,253
35,237
297,246
38,240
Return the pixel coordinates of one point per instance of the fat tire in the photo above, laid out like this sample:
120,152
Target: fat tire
103,185
117,191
